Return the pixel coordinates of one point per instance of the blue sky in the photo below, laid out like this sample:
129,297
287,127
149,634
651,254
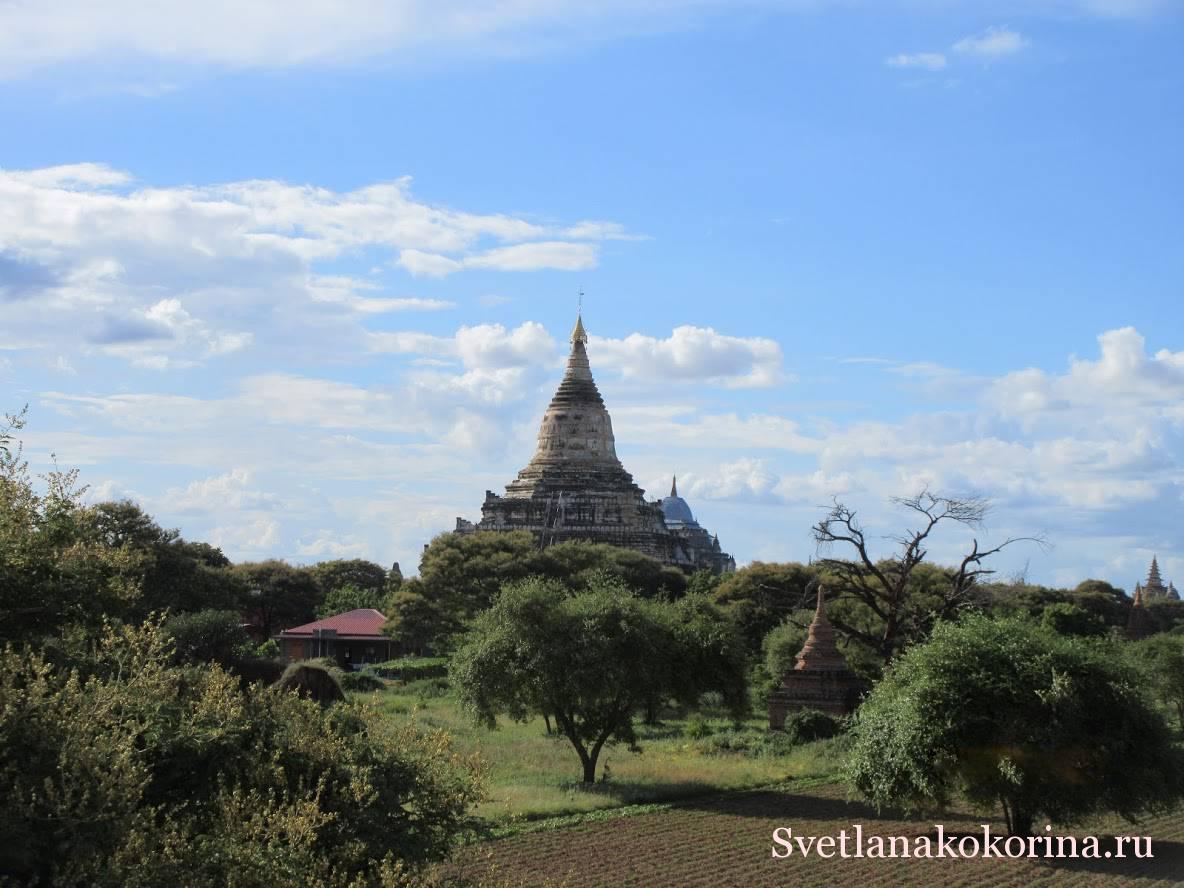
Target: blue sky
299,280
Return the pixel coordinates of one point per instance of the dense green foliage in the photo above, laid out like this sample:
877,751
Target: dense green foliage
348,598
781,646
135,771
591,659
1011,712
460,574
278,595
760,596
1162,659
356,572
209,636
412,668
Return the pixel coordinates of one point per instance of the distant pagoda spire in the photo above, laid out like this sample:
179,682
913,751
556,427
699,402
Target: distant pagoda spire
1153,577
820,651
674,486
1155,586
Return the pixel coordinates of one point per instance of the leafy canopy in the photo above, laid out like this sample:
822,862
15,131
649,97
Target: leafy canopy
1011,712
592,658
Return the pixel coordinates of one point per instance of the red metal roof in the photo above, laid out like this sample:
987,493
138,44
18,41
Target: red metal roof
365,621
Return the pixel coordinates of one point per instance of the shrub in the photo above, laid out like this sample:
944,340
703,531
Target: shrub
697,727
428,687
268,650
147,773
360,681
312,681
412,668
750,743
807,725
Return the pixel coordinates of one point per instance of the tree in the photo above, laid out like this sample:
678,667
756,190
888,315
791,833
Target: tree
416,622
760,596
278,595
1161,657
591,659
1072,619
55,568
347,598
136,771
883,586
781,646
174,574
1009,712
209,636
461,574
356,572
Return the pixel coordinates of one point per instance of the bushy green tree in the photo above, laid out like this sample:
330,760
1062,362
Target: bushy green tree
355,572
781,646
460,574
138,772
591,659
760,596
56,569
1161,658
209,636
347,598
1072,619
278,596
1009,712
173,574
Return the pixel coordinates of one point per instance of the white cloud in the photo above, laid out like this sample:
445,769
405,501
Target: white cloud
271,33
993,42
693,354
231,491
258,538
558,255
176,276
930,61
344,290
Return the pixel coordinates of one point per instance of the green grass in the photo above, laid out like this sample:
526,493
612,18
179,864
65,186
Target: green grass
533,775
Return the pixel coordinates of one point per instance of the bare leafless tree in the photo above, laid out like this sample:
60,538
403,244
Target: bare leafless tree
882,585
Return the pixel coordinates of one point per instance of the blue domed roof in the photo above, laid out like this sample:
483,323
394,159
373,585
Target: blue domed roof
674,508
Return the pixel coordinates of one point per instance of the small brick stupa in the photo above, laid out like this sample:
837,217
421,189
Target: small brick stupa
820,679
1139,624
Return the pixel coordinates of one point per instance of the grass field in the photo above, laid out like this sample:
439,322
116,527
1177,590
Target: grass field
681,814
725,840
533,775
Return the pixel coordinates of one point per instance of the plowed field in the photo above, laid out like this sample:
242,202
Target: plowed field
726,840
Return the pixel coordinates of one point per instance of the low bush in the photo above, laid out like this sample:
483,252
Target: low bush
807,725
428,687
363,681
311,680
412,668
751,743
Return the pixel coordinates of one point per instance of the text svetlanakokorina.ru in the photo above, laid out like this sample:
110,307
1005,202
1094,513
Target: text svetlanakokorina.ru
957,845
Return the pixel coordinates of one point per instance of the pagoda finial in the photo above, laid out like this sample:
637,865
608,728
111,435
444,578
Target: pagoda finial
674,486
577,332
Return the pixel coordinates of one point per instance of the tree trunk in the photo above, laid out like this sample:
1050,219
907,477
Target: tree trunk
589,769
1019,821
547,722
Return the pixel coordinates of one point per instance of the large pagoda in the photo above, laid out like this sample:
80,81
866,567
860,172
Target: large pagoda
575,488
